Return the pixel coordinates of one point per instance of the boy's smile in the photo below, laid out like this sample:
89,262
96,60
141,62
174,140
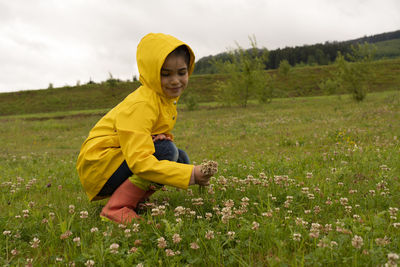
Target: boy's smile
174,76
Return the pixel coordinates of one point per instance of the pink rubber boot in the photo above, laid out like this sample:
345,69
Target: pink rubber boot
120,207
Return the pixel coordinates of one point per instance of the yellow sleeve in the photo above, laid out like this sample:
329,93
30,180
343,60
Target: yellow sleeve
134,126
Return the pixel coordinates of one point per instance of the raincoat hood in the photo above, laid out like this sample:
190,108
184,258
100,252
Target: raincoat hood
151,53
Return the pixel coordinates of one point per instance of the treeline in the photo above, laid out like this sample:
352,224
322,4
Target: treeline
317,54
377,38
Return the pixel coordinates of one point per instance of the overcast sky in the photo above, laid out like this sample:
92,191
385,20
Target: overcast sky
61,42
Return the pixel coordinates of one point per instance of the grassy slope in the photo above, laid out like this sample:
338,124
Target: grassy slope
303,81
388,49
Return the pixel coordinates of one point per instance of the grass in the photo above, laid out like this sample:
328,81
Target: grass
388,49
302,81
299,181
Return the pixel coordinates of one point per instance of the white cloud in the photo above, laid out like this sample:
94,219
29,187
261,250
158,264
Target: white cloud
60,42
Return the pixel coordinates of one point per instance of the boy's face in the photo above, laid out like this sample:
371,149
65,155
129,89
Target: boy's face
174,76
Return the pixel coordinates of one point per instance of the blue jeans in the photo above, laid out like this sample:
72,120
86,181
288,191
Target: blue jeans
165,150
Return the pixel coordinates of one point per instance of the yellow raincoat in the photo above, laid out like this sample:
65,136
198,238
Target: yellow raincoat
125,132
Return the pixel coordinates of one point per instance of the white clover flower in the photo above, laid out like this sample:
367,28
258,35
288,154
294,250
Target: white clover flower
114,248
296,236
231,235
162,243
357,241
89,263
176,238
84,214
194,246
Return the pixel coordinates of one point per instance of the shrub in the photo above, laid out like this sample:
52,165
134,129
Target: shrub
247,77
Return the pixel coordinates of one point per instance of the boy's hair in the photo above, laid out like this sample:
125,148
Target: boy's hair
182,51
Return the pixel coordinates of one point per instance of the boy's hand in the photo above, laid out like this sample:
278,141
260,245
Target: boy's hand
161,137
200,178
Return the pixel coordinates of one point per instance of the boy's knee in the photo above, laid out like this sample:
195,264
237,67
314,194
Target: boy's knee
166,150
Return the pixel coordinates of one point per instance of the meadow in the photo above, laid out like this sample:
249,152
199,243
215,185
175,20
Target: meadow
307,181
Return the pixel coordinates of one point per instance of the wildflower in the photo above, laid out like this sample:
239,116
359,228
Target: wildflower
89,263
296,236
194,245
71,208
209,235
231,235
176,238
59,259
327,228
29,262
84,214
135,227
314,230
6,233
396,225
94,229
344,201
211,190
392,259
393,211
160,210
169,252
317,209
305,190
189,192
322,243
197,201
51,215
44,221
209,167
137,242
26,213
162,243
357,241
133,250
127,232
77,241
35,242
382,241
229,203
348,209
255,226
14,252
114,248
208,215
267,214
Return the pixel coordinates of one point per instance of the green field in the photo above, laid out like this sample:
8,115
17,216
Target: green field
307,181
302,81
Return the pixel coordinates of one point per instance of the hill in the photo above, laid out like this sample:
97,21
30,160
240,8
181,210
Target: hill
387,45
303,81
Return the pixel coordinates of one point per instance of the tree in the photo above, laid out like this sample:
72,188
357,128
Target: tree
355,75
247,79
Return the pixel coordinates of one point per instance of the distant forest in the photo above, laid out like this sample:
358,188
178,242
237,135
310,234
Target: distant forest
317,54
